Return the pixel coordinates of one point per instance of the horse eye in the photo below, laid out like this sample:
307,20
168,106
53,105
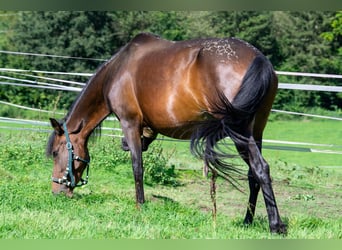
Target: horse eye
54,153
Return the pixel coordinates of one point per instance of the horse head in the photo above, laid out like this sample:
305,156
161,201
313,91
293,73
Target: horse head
70,159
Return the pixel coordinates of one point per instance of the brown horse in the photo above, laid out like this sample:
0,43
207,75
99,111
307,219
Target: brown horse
204,90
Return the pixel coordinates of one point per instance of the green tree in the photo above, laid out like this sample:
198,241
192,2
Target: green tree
304,50
334,35
253,26
294,41
167,24
75,34
7,22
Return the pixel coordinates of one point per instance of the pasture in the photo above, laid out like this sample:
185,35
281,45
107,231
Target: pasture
308,189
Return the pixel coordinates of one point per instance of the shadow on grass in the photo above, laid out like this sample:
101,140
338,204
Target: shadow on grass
163,198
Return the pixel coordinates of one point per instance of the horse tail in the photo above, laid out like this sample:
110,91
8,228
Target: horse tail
234,117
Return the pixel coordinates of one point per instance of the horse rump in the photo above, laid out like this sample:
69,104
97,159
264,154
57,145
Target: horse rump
235,117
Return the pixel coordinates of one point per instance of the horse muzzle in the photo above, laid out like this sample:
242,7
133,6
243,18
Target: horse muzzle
58,189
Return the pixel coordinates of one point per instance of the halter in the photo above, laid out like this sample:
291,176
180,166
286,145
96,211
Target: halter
68,171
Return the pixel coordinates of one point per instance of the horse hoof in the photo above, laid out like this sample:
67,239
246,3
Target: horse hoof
280,229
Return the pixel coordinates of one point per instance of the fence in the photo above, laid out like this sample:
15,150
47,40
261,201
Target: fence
45,82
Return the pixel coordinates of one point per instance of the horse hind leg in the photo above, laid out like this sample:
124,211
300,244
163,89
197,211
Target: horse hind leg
254,187
260,170
259,177
148,137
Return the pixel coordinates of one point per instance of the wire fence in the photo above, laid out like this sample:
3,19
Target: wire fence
44,85
43,80
7,123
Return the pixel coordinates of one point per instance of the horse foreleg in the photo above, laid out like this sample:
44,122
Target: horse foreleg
133,139
261,173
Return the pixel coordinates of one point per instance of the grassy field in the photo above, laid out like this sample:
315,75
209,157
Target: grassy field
308,189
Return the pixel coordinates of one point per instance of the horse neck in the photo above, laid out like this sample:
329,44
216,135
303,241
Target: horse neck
90,108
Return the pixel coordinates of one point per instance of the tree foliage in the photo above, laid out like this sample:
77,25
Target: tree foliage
307,41
334,36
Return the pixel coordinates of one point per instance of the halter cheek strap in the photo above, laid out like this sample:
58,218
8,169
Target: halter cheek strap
68,175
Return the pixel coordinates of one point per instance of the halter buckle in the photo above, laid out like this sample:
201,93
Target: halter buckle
68,145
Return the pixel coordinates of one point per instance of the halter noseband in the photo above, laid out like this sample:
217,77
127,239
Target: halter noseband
68,171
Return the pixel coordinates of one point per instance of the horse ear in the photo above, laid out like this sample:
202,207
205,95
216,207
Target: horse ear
56,126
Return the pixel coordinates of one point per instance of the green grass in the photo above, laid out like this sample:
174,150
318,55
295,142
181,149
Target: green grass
309,195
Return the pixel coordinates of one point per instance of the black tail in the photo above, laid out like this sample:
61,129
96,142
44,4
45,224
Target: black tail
234,119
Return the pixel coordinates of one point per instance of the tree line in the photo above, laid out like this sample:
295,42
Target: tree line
306,41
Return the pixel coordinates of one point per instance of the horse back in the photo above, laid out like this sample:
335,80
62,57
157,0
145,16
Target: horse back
212,63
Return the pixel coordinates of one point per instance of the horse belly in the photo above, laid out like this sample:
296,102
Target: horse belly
182,132
175,116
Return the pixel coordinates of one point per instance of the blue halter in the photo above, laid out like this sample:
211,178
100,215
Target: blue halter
70,182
